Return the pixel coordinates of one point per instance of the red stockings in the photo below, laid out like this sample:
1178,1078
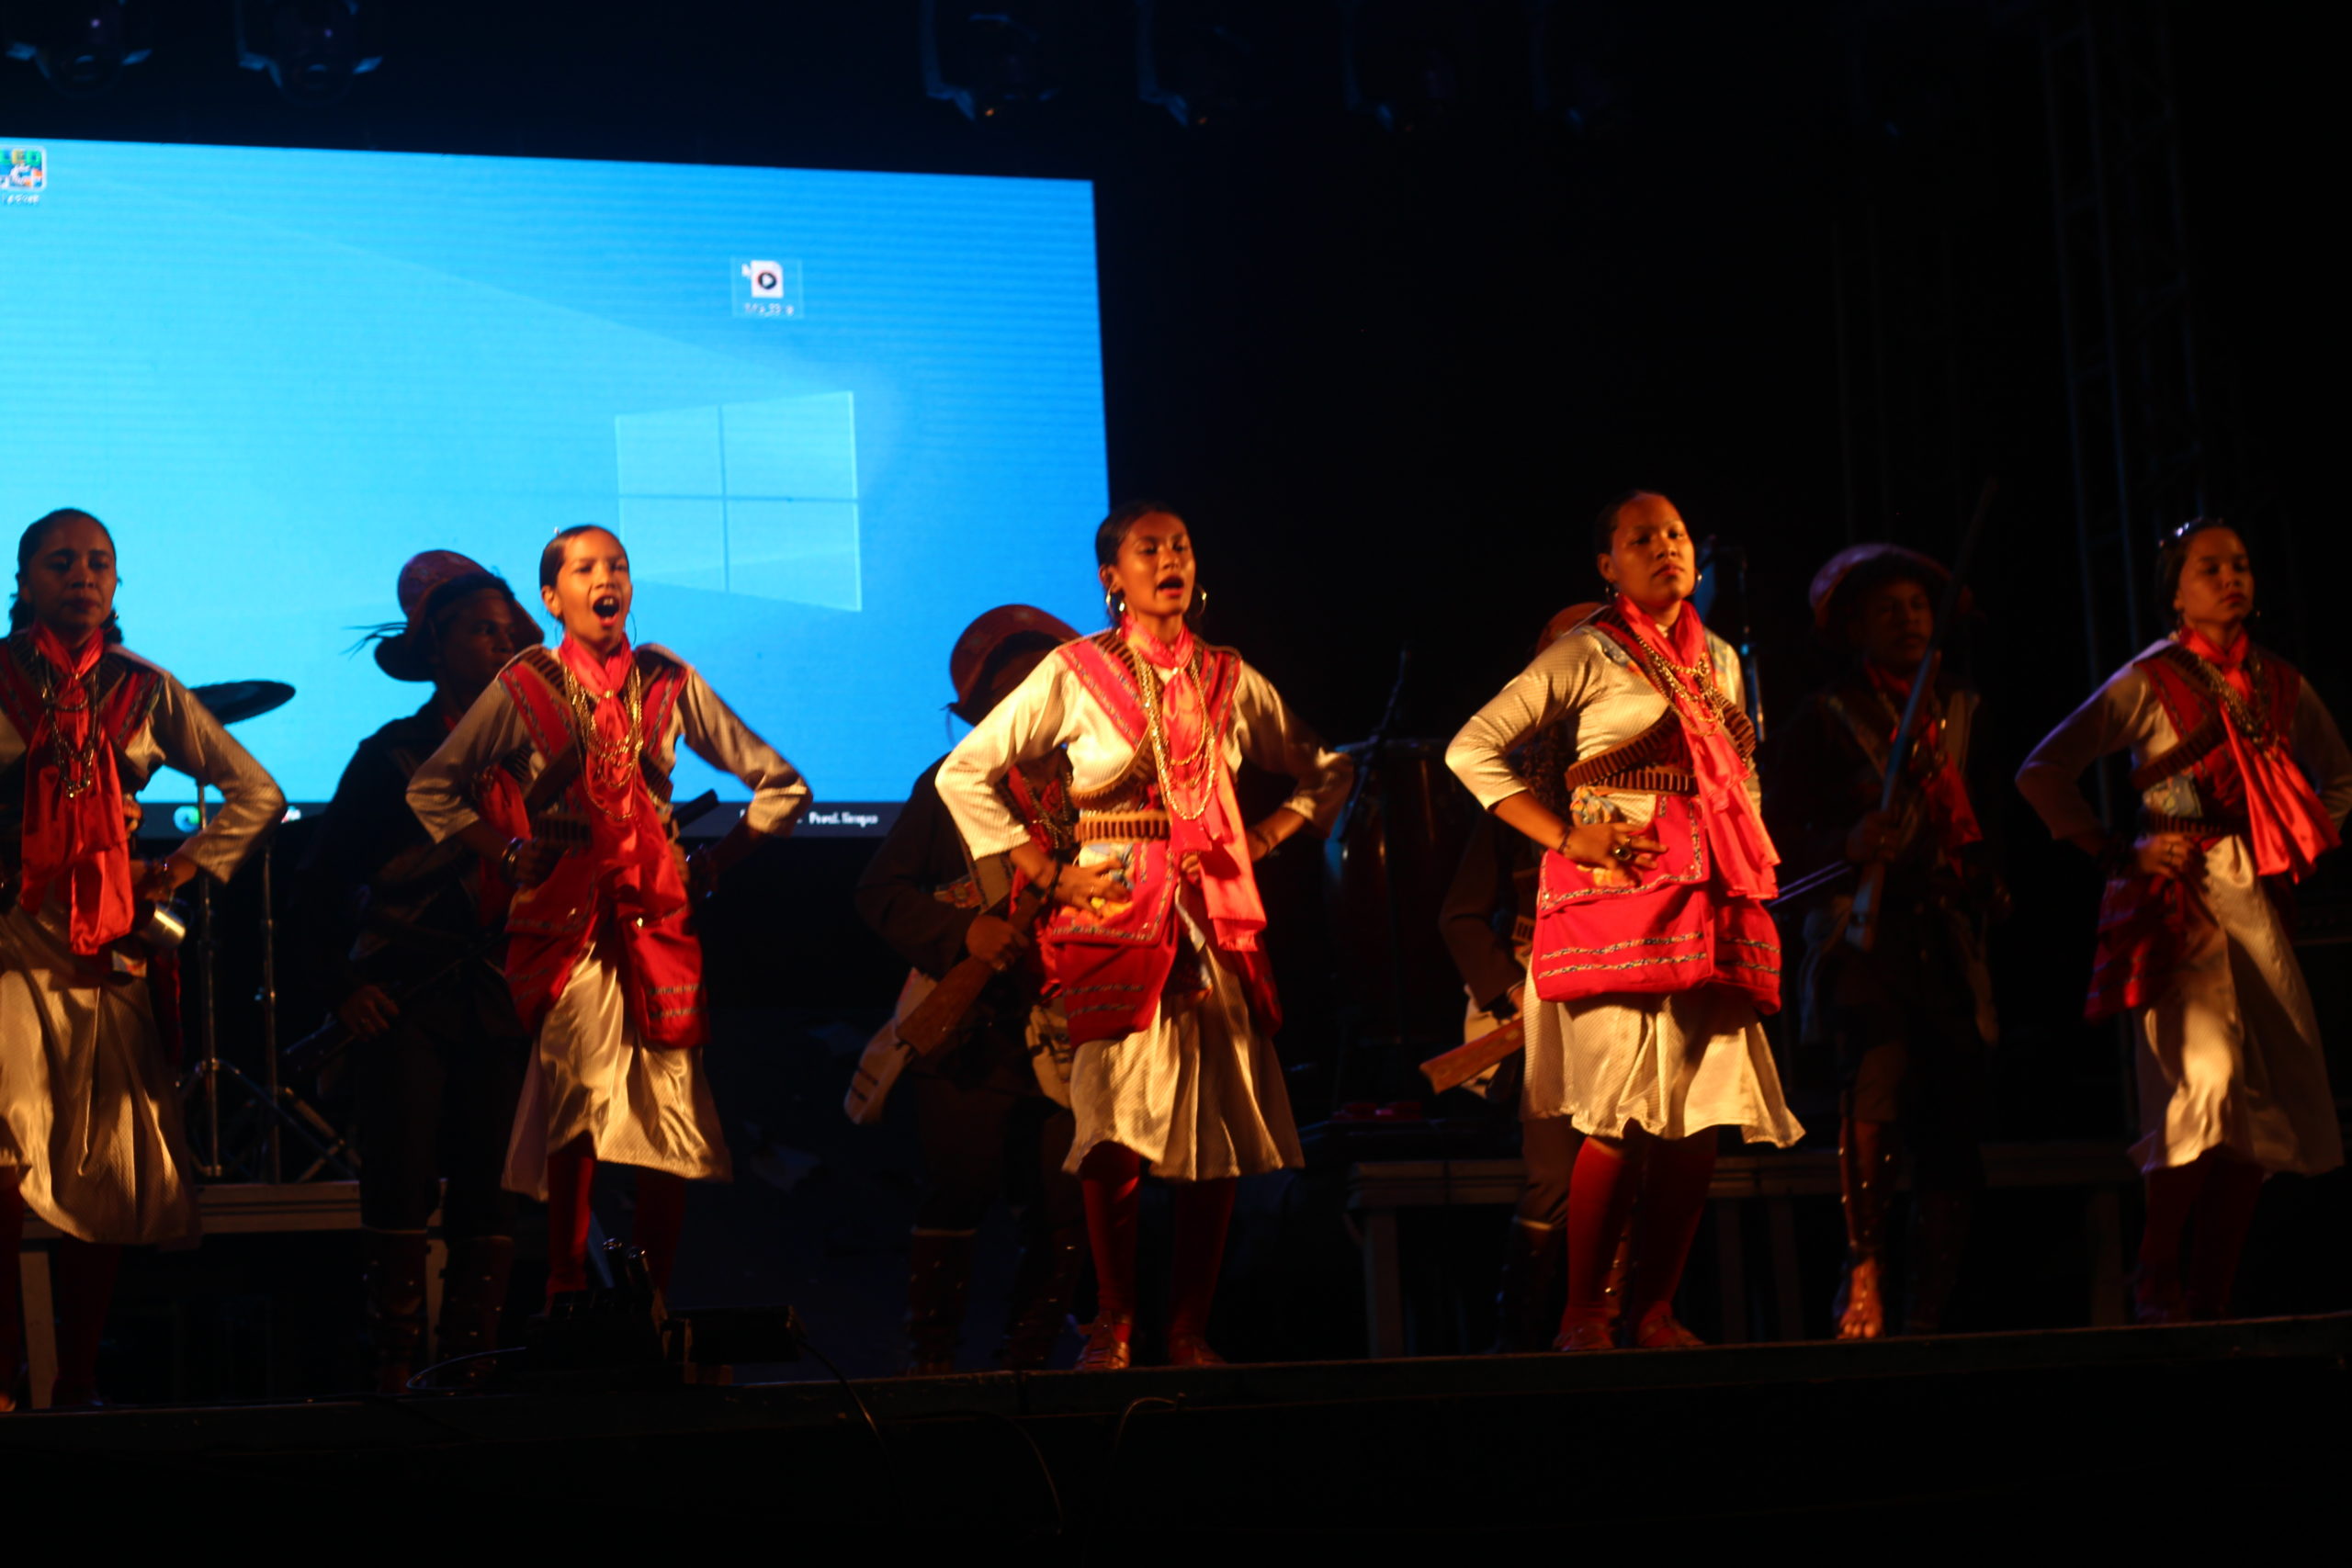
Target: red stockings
85,1274
660,1217
1112,1180
2221,1192
1673,1176
1204,1209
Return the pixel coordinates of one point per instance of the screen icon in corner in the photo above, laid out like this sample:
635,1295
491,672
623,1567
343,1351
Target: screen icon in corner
25,172
767,288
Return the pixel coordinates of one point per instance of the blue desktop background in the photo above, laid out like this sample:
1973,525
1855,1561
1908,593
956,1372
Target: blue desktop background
277,374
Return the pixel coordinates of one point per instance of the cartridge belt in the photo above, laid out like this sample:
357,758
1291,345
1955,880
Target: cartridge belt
1101,827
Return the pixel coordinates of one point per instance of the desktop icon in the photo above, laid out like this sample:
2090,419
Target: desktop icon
27,169
767,278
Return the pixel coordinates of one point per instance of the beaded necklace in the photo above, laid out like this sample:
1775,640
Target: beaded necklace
608,768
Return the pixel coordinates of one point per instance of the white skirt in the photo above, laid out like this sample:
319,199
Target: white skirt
590,1075
89,1116
2230,1055
1671,1064
1199,1092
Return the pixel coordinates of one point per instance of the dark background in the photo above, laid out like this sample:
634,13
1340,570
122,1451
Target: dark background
1795,266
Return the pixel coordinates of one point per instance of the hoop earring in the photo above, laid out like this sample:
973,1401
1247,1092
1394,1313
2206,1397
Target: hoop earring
1200,599
1115,604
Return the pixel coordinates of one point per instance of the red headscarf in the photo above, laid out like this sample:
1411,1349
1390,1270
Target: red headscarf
2285,821
79,845
1203,816
1744,853
637,870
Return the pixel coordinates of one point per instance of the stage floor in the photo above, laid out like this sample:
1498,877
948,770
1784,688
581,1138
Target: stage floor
1958,1431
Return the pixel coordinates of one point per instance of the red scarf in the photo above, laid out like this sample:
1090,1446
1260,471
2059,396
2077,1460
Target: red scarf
1744,853
79,845
1204,815
636,871
1950,818
2285,821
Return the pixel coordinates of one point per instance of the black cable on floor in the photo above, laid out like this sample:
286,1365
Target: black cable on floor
417,1384
880,1442
1111,1466
1045,1471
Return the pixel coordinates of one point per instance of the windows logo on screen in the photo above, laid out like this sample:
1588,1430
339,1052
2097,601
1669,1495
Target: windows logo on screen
25,172
766,288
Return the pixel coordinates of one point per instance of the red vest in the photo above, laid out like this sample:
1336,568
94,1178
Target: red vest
550,926
1109,967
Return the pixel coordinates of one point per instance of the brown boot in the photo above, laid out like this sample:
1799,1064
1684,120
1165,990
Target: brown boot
395,1272
473,1293
939,1276
1043,1283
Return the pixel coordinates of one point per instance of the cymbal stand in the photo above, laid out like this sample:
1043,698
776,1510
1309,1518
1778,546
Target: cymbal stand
280,1108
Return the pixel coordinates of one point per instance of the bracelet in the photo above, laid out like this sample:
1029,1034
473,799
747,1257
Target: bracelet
509,856
1561,849
1054,888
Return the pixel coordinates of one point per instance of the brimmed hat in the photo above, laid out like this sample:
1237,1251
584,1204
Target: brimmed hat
400,649
969,658
1859,568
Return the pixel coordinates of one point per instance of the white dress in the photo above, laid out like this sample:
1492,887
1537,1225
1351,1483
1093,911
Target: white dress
1673,1064
589,1074
1199,1092
89,1114
2230,1055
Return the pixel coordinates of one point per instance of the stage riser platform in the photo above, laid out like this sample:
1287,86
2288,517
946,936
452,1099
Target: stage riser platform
1966,1428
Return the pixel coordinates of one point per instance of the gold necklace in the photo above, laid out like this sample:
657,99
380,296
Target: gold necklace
78,770
606,765
1147,683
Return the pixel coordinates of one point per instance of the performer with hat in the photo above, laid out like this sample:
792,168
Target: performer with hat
602,958
400,930
1652,950
993,1110
1488,924
2244,782
1909,1018
1153,948
90,1134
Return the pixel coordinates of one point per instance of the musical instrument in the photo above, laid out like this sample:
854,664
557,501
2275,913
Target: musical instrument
1870,895
1453,1069
234,702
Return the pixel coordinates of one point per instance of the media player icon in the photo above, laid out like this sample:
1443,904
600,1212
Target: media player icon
766,277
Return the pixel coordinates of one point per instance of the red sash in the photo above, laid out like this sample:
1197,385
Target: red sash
1110,966
1679,924
77,845
616,884
2144,920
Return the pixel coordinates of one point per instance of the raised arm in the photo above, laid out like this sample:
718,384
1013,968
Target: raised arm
2116,715
250,802
1027,724
1273,738
2319,752
715,734
441,790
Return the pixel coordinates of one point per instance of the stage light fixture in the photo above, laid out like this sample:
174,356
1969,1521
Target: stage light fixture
80,46
990,63
1196,60
1403,61
311,49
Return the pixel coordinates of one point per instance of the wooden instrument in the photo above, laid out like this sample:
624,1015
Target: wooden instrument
938,1019
1459,1066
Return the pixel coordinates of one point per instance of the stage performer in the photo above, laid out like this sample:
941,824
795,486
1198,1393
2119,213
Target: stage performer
988,1122
1488,924
1652,952
1909,1021
90,1134
1154,949
2244,782
402,929
559,775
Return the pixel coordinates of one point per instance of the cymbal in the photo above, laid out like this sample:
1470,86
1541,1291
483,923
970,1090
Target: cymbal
233,701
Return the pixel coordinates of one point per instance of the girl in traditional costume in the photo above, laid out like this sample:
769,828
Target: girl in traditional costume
2244,782
560,772
1153,947
90,1134
1652,952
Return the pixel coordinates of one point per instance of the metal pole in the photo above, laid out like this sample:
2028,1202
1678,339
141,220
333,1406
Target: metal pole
207,1027
269,1011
